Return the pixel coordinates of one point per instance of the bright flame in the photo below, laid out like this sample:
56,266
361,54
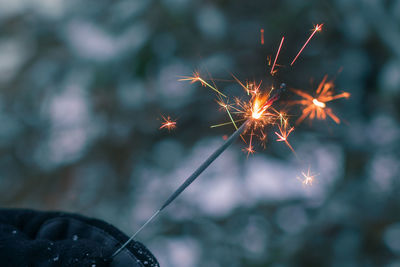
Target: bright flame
257,110
318,103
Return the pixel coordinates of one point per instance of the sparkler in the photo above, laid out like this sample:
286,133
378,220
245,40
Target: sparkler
315,106
317,28
259,110
256,114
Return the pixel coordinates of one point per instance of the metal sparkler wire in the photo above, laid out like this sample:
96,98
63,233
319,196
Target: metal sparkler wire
188,181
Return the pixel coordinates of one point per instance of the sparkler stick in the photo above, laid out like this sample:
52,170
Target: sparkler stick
317,28
204,166
188,181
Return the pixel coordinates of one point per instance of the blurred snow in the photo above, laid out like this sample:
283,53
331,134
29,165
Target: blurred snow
383,130
292,219
211,22
389,78
384,170
13,54
218,64
71,128
91,42
132,94
177,252
175,93
391,237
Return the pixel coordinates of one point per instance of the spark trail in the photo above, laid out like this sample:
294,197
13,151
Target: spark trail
317,28
277,54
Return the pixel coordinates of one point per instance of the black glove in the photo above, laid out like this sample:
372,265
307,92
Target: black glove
34,238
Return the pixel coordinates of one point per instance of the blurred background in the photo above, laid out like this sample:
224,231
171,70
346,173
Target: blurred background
83,85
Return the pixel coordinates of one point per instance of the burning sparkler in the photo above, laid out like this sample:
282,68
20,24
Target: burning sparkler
315,106
257,113
257,116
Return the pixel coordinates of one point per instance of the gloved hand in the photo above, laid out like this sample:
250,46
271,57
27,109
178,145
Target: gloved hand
34,238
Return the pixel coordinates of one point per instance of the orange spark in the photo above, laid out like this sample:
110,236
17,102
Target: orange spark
250,149
277,54
317,28
315,106
168,123
308,178
262,36
284,134
196,78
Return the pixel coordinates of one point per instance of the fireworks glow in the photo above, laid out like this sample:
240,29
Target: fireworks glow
315,106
